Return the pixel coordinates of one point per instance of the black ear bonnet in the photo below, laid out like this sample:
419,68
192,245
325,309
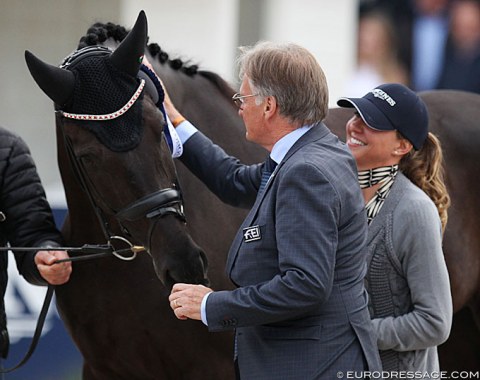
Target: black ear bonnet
100,89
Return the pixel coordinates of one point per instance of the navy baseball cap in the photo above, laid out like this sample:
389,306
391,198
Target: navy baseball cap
393,107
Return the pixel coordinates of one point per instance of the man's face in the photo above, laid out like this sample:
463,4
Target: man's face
251,112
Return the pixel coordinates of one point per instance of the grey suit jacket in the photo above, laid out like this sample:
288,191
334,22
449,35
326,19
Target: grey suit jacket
300,309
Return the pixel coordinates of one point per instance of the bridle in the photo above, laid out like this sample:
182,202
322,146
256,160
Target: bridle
152,206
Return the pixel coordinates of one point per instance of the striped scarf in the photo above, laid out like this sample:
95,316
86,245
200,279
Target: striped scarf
367,178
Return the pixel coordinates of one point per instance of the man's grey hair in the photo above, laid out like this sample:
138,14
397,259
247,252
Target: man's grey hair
291,74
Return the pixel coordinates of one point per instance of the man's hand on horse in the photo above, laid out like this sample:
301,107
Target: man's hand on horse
172,112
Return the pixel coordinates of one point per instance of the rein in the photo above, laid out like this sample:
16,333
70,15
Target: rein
38,330
92,251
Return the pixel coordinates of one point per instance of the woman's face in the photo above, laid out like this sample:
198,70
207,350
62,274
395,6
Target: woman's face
370,147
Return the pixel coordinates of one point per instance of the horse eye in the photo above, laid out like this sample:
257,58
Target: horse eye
88,160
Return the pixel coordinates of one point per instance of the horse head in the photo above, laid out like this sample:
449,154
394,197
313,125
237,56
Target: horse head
112,125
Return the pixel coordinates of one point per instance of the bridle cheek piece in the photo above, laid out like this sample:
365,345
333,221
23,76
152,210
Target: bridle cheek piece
158,204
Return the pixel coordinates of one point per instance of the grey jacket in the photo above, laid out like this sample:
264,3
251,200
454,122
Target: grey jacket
407,279
300,309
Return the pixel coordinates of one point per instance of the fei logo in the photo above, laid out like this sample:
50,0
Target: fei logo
23,303
251,234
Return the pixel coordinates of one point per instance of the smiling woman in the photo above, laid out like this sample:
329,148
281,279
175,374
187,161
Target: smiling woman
389,138
371,147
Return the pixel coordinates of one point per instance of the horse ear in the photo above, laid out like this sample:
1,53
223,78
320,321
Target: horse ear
56,83
128,56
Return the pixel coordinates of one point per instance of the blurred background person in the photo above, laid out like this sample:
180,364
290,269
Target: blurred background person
421,27
429,31
377,55
461,69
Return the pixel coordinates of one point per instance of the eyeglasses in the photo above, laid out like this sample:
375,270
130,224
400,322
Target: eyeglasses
239,99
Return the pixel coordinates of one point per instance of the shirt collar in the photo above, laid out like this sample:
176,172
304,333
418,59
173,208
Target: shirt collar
283,145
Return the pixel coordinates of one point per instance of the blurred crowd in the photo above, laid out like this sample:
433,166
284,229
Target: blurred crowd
424,44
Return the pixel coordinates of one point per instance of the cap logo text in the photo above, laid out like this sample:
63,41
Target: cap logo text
383,95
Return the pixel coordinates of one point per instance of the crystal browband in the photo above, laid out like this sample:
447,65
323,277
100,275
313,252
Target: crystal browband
109,116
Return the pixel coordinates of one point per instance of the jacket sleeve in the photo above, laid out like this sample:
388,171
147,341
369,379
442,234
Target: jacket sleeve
418,244
29,221
231,181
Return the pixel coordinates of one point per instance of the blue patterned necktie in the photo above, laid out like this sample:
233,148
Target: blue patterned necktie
268,169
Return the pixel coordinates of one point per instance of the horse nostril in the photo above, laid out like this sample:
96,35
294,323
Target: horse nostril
204,260
169,281
205,282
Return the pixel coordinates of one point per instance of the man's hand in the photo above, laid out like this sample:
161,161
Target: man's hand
186,300
172,112
54,274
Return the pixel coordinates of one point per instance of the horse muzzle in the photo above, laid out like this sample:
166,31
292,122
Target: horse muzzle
176,257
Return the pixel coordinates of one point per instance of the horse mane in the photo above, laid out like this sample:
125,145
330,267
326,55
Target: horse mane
218,81
99,32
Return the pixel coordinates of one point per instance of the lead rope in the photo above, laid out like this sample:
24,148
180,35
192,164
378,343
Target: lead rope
38,332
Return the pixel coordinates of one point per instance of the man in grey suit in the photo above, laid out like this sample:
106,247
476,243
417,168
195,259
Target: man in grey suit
300,306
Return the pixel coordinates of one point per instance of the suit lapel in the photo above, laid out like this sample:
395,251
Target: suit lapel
234,248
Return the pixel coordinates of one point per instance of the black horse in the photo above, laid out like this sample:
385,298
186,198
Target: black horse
118,313
120,180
